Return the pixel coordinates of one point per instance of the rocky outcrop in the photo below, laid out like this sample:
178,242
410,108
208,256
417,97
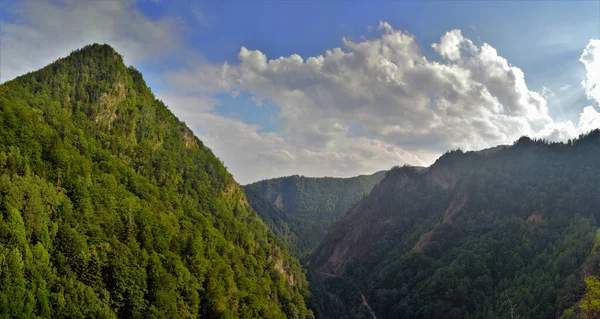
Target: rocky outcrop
188,138
108,102
283,269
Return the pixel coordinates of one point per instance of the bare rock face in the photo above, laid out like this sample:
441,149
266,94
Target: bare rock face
283,269
108,102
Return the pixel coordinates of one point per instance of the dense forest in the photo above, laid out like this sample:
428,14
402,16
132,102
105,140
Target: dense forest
111,207
300,210
510,233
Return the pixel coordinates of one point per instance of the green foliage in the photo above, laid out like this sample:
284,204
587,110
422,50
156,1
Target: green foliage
590,304
300,210
111,207
518,243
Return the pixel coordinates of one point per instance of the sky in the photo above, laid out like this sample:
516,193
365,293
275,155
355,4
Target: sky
337,88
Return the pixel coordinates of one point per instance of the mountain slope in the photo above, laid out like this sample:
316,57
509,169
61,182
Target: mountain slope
299,235
111,207
476,235
301,209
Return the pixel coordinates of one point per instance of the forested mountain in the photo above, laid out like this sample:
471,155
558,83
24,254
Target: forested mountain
503,234
111,207
300,210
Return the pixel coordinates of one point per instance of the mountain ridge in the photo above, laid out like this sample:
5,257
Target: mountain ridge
111,207
301,209
454,226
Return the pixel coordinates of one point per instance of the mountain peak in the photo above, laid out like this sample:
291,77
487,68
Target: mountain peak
98,50
128,206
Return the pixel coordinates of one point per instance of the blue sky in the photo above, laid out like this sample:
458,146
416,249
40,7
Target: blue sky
348,114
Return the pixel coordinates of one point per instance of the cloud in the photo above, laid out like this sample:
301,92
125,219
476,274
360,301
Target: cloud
591,59
392,91
253,155
409,108
44,31
589,119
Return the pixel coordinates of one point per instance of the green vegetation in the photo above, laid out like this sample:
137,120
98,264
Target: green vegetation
478,235
300,210
111,207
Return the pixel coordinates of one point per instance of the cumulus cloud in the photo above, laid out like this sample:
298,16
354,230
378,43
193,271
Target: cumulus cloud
591,59
409,109
589,119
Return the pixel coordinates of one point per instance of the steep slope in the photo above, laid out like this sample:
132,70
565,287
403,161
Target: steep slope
472,236
299,235
302,208
111,207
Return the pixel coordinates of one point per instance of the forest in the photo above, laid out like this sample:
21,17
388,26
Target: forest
505,234
111,207
301,210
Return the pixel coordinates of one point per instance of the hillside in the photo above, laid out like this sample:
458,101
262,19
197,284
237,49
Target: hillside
302,209
111,207
477,235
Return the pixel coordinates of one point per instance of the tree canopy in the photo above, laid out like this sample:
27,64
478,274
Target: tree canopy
111,207
476,235
301,210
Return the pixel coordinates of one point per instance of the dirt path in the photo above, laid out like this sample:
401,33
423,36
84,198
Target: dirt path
366,304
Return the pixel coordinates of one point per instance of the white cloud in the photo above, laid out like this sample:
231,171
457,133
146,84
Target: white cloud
450,45
252,155
589,119
591,59
409,109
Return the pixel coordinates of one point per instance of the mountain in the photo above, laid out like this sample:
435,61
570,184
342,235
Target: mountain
300,210
503,234
111,207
